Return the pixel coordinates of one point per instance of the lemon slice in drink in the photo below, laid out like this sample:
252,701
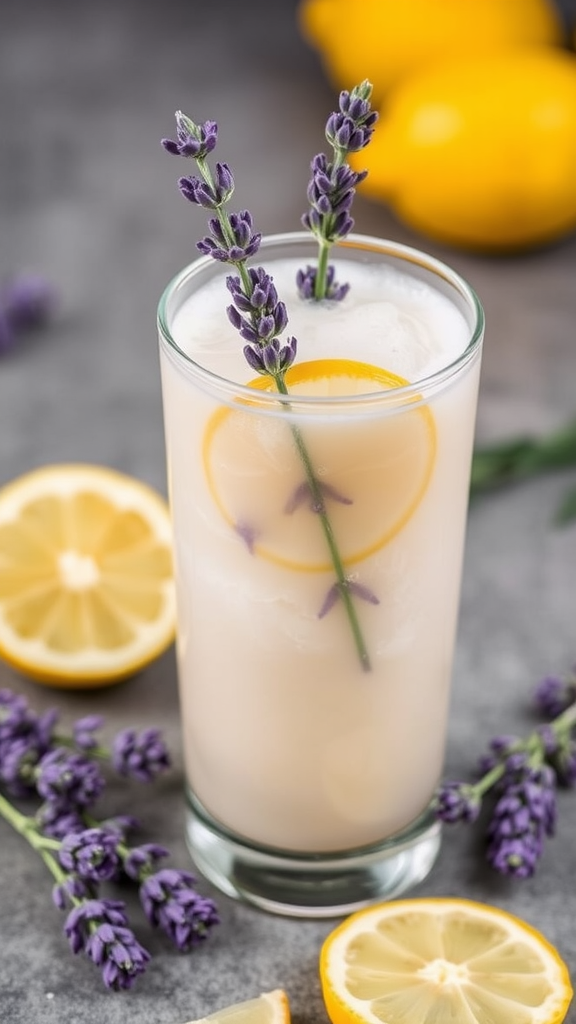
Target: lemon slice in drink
86,587
432,961
373,472
269,1008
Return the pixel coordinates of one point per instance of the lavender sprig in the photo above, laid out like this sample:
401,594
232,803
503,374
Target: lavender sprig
521,776
171,903
332,189
33,755
256,312
99,928
81,852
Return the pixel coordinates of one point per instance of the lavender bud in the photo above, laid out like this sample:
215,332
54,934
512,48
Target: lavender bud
517,857
141,757
72,889
91,854
288,354
83,731
67,778
456,801
306,284
208,247
100,929
253,357
143,859
57,819
24,738
271,357
224,184
171,903
554,695
193,140
522,817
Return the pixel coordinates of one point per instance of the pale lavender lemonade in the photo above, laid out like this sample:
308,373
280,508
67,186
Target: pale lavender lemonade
288,742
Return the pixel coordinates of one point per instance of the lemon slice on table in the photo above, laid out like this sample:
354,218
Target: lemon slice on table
373,471
86,586
436,961
268,1008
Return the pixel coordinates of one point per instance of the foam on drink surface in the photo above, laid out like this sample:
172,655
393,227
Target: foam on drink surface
388,318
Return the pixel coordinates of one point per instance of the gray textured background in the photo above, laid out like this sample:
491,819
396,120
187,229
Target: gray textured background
88,198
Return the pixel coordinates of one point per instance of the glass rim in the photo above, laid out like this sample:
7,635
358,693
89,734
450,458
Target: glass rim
411,392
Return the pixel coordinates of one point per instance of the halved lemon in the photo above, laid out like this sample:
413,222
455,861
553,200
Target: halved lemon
268,1008
372,473
86,585
435,961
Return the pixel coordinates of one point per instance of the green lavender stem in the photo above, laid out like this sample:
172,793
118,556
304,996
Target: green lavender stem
301,447
28,829
318,501
531,745
320,283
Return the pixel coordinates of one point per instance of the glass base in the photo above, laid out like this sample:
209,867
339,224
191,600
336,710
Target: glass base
311,885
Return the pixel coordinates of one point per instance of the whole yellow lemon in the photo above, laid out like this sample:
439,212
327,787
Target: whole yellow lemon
481,152
384,40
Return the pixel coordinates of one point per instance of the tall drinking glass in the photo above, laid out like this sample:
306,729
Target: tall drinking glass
318,548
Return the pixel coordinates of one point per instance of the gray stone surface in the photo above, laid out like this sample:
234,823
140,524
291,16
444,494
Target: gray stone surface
88,198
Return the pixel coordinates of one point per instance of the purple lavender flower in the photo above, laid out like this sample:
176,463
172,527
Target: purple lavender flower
56,819
100,929
25,302
554,695
498,747
351,127
121,824
73,890
91,854
234,245
331,194
264,319
171,903
67,778
140,756
516,856
306,284
83,731
267,316
143,860
24,738
332,189
524,815
209,194
193,140
456,801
